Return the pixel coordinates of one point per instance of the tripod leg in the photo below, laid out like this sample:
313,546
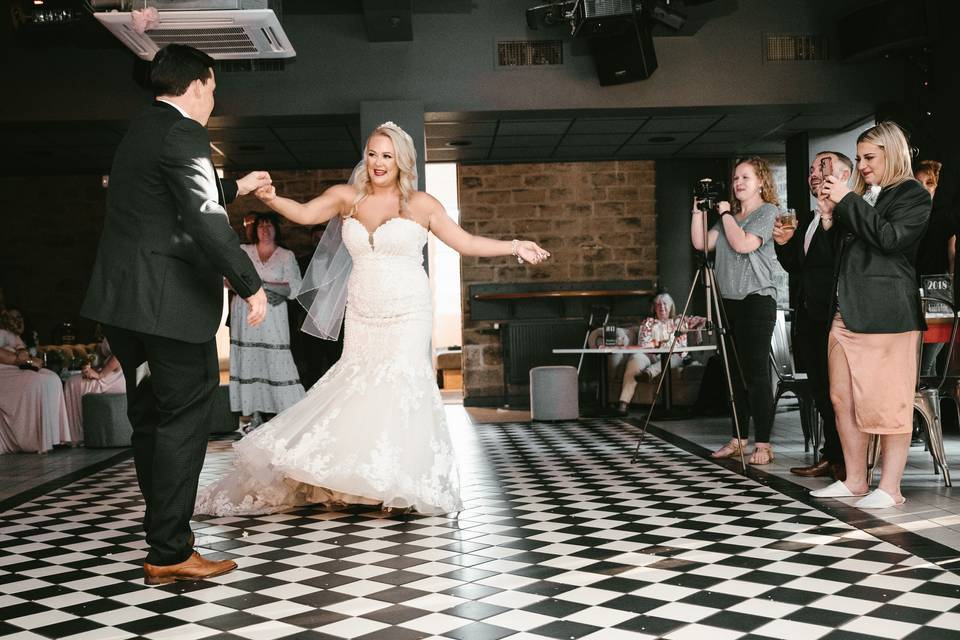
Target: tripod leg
586,339
723,340
665,372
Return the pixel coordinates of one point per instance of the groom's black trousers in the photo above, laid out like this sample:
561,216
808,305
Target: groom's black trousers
169,412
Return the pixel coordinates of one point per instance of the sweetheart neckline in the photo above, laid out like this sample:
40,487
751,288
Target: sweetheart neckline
385,223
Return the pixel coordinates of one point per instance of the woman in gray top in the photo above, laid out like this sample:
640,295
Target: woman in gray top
745,260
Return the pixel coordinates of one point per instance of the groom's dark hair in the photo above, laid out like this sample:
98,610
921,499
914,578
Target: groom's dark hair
175,66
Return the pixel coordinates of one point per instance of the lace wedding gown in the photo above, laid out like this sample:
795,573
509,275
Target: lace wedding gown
372,430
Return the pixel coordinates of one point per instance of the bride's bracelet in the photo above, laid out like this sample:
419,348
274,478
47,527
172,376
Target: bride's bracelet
515,251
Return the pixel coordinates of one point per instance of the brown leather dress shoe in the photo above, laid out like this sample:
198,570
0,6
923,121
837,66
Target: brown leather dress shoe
196,567
822,469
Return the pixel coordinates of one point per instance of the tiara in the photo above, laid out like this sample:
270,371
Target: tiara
389,124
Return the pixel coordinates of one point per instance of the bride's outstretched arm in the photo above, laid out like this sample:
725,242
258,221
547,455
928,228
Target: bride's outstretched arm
467,244
331,202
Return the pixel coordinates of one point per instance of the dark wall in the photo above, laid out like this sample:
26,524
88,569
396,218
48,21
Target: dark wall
676,260
450,66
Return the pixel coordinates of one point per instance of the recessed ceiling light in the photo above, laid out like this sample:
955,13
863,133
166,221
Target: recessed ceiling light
459,143
659,139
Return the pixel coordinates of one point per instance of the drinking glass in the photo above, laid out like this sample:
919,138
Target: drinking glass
788,219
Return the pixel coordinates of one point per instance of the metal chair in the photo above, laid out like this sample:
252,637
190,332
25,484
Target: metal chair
790,381
926,403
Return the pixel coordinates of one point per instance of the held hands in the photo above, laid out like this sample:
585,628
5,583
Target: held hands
274,298
90,373
277,292
832,189
256,307
781,234
266,193
530,252
252,181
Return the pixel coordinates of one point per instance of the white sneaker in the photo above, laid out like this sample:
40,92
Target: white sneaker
836,490
878,499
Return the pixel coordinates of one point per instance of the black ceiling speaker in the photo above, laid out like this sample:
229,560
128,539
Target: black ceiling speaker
626,54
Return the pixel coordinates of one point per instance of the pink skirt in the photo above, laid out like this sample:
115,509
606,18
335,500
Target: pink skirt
881,370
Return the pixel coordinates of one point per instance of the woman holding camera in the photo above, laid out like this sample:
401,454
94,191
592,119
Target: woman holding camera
872,348
744,262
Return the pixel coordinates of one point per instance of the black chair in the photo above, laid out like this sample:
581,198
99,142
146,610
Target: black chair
926,403
790,381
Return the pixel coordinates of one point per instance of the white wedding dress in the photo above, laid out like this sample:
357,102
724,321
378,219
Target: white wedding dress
372,430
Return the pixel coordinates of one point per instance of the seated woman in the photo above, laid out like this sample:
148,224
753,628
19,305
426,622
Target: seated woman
108,378
33,415
655,332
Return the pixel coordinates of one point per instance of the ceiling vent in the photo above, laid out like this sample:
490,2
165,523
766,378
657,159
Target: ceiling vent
789,48
524,53
224,35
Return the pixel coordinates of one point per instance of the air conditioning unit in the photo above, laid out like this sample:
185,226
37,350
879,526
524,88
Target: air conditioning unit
236,34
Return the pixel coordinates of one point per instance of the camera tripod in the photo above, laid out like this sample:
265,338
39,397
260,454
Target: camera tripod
715,309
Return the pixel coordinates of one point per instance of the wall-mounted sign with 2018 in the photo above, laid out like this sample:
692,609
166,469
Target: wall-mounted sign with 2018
937,286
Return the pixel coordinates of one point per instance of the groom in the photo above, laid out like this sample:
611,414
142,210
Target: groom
157,287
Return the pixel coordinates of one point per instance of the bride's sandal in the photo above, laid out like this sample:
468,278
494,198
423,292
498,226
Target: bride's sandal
761,455
729,450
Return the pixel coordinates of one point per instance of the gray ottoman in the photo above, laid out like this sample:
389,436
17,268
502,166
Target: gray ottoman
553,393
105,422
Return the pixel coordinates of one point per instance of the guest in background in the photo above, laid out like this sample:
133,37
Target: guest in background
809,258
263,377
655,332
946,204
33,416
744,268
106,378
936,254
873,342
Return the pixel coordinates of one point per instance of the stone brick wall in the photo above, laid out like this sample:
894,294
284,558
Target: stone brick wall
598,220
51,226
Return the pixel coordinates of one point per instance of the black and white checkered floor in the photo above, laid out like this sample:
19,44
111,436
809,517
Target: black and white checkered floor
561,538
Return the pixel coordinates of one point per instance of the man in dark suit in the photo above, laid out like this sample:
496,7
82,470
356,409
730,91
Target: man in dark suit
809,257
157,287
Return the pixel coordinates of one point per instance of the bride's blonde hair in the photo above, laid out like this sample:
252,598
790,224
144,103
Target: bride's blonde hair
405,154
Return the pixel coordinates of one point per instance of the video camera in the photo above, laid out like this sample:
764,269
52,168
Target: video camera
709,193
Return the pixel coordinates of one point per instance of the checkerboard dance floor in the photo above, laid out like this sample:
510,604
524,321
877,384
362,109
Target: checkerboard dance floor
561,538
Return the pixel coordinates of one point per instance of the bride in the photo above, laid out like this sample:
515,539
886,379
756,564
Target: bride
372,430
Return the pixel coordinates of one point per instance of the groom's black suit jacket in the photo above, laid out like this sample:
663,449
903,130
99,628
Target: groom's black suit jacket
167,243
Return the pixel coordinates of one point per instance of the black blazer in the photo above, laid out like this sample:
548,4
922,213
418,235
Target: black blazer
876,279
167,243
813,271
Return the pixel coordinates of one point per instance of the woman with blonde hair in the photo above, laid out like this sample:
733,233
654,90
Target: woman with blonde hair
745,260
372,430
872,349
